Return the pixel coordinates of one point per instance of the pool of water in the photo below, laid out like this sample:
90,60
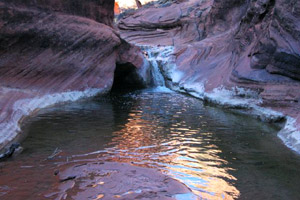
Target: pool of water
215,153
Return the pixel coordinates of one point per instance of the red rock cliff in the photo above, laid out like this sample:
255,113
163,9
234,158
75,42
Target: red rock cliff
55,51
100,10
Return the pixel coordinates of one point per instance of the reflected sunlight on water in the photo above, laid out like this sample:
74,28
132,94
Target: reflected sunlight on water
168,137
217,154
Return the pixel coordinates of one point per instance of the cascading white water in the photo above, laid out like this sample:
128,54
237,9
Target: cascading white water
158,56
158,79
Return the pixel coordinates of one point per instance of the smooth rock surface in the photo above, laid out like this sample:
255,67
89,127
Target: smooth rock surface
112,180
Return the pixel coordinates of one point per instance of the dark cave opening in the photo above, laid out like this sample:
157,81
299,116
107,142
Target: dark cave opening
126,78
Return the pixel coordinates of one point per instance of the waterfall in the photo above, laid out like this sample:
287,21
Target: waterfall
157,77
158,57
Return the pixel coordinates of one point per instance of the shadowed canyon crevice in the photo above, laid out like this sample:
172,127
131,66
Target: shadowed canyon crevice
126,77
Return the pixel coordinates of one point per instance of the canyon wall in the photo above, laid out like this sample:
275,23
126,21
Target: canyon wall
55,51
100,11
238,53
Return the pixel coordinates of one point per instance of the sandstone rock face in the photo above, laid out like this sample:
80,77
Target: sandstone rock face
101,11
55,51
243,51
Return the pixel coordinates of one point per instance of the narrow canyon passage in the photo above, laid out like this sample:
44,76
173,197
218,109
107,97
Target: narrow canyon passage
72,152
177,99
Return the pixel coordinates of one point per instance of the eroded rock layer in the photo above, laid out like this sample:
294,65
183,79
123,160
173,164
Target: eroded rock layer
241,50
55,51
100,11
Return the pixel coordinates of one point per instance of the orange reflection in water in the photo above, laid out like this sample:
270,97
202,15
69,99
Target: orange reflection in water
137,141
178,151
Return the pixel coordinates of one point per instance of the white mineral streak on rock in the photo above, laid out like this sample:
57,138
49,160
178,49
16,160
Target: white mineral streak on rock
26,107
290,134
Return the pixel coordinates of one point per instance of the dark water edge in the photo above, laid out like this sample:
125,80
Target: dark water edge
217,154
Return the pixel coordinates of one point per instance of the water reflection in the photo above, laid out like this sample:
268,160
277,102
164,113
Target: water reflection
167,135
217,154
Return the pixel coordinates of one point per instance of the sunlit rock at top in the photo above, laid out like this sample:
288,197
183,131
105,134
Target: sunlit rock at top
130,3
117,9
